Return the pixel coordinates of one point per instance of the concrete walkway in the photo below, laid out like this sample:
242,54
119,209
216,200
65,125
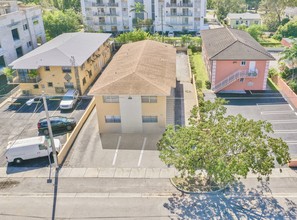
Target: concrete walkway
149,173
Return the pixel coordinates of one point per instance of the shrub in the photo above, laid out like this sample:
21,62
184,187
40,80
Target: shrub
272,72
293,85
199,84
208,84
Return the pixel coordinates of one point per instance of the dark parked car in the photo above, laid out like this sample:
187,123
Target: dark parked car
58,123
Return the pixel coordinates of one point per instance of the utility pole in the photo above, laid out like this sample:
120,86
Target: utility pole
50,131
162,23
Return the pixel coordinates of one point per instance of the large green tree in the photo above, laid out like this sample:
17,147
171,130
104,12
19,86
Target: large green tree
255,31
274,11
224,147
57,22
253,4
223,7
287,30
290,55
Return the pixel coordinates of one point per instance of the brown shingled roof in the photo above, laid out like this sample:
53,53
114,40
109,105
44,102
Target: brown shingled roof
232,44
140,68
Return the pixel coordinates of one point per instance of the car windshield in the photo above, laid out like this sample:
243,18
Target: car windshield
65,98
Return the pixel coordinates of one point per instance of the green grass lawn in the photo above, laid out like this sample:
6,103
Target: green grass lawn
200,69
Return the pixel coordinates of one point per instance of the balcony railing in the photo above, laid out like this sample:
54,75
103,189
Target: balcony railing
106,23
18,80
175,5
105,4
179,14
105,14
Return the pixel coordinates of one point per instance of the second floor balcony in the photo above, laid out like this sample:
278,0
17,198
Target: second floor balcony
22,79
179,5
184,14
102,4
102,14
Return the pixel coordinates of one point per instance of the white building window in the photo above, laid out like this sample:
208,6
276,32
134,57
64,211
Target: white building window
112,119
149,99
243,63
110,99
29,44
149,119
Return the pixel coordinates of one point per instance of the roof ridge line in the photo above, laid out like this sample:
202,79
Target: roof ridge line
149,82
235,40
267,54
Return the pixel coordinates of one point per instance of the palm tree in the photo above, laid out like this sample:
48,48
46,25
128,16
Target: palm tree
290,55
138,8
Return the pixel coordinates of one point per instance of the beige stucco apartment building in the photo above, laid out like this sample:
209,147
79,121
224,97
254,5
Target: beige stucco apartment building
71,60
131,92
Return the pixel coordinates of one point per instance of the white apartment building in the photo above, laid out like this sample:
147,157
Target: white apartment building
167,15
21,30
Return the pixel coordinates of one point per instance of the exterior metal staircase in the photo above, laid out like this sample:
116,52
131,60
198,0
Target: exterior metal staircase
235,76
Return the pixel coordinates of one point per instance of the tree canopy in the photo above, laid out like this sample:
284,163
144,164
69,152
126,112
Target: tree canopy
57,22
223,7
287,30
224,147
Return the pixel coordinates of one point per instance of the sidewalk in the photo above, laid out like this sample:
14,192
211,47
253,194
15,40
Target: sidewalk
146,173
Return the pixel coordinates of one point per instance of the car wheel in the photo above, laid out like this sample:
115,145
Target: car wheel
46,132
18,160
69,127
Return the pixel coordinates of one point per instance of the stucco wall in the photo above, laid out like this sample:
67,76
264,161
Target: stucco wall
226,68
247,22
95,64
147,109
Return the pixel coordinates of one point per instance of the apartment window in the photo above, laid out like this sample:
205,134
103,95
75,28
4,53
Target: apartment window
50,84
110,99
35,86
112,119
90,73
29,44
84,81
256,22
149,119
241,80
25,27
237,22
15,34
19,51
66,69
149,99
35,22
47,68
243,63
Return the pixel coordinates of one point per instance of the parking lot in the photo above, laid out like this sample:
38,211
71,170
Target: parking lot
269,106
92,150
19,120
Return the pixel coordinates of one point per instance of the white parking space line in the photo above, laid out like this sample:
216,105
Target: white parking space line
55,112
17,110
141,153
282,121
276,112
291,107
274,104
285,131
34,113
117,150
75,108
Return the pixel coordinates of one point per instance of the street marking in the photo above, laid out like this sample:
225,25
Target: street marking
283,121
285,131
17,110
75,108
54,112
54,99
276,112
291,107
15,103
117,150
276,103
291,142
141,153
36,111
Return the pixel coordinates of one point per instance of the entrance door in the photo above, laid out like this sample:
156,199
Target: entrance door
252,66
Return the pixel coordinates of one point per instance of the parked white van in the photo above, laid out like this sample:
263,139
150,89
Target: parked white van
29,148
69,99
